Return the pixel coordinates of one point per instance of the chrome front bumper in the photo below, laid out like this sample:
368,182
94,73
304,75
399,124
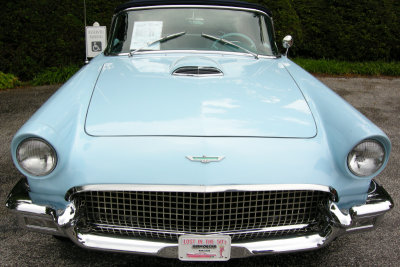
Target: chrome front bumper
48,220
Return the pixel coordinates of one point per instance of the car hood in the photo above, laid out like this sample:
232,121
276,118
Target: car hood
140,96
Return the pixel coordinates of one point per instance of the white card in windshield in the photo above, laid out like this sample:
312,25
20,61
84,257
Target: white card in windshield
145,32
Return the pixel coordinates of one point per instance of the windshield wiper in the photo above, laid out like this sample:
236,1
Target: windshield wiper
224,41
162,39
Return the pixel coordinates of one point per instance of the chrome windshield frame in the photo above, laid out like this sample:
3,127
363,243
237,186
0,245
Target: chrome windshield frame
195,6
192,51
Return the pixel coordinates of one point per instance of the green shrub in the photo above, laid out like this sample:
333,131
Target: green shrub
55,75
336,67
8,81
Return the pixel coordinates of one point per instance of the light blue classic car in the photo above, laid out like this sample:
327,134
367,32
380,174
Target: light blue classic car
192,137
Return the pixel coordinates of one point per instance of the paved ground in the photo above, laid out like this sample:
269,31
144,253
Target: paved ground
378,99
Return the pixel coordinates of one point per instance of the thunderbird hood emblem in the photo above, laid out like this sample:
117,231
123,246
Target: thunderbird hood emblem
205,159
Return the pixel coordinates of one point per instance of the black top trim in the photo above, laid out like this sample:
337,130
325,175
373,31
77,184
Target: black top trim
233,3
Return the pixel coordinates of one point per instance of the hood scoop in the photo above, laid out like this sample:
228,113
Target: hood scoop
197,71
195,66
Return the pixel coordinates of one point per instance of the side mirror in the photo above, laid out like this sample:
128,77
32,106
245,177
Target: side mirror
287,42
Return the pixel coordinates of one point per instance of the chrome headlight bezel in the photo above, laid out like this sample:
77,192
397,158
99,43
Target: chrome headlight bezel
41,151
371,155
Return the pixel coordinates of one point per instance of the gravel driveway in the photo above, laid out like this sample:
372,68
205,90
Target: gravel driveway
377,98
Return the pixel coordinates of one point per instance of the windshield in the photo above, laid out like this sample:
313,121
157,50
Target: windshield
208,29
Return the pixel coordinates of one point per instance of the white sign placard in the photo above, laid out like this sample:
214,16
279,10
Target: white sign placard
145,32
96,40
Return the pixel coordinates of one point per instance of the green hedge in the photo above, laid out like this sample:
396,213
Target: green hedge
54,75
336,67
38,34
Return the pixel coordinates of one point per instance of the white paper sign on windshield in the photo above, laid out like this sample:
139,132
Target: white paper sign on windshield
145,32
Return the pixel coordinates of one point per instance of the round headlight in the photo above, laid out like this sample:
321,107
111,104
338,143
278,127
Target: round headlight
366,158
36,156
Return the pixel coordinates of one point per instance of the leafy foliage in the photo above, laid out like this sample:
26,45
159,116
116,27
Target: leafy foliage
350,30
336,67
38,34
55,75
8,81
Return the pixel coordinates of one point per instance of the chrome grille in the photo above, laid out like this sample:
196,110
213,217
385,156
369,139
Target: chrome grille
166,215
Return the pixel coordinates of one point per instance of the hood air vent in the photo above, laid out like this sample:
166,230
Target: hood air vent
195,71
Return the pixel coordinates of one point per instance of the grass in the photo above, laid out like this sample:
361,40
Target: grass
8,81
55,75
335,67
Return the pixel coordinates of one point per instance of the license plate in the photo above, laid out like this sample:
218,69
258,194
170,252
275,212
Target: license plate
204,247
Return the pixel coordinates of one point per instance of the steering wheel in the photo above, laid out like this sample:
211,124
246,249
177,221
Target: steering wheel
245,42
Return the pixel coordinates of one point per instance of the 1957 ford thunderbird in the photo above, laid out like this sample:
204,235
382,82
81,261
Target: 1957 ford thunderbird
192,137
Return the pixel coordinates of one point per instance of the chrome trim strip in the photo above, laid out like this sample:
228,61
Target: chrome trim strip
205,159
300,243
197,6
281,228
360,228
121,244
197,188
262,230
195,52
197,75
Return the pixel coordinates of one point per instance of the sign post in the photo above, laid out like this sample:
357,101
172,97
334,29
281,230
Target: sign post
96,39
